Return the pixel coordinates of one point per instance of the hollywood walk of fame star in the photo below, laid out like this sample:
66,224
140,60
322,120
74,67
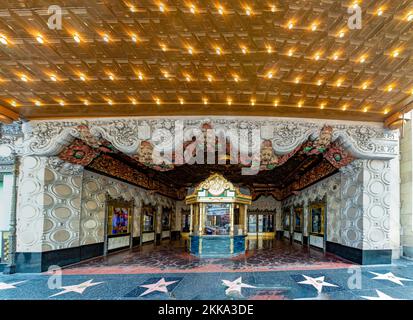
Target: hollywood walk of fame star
5,286
79,288
317,283
235,286
161,286
390,277
381,296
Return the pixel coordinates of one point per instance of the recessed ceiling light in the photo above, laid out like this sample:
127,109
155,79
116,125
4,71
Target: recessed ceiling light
220,10
110,102
229,101
244,50
269,49
190,51
339,83
76,38
187,78
3,40
313,27
380,12
297,80
410,17
269,75
317,57
133,100
341,34
290,52
205,100
134,38
192,9
253,102
365,86
37,103
53,78
158,101
111,77
390,88
396,53
248,11
82,77
23,78
236,78
40,39
290,25
106,38
163,47
62,103
319,82
140,76
161,7
209,77
218,50
86,102
363,59
275,103
181,101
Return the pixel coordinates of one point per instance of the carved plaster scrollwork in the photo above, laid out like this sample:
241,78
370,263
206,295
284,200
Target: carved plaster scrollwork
64,167
365,141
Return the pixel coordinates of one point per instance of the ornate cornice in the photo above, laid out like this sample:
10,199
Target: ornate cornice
365,141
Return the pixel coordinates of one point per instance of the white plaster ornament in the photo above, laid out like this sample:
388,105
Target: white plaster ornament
160,286
79,288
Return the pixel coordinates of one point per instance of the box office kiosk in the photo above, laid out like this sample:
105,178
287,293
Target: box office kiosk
218,218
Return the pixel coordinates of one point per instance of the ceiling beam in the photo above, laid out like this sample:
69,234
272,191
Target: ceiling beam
7,115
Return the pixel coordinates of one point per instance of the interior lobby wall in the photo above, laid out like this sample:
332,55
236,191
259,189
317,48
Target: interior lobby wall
48,210
362,210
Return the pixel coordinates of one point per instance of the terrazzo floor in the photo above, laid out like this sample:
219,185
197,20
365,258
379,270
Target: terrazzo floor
283,272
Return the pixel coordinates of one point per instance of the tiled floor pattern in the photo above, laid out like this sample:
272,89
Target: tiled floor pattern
172,258
374,282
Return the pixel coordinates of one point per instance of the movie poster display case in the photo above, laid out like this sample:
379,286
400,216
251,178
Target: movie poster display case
218,218
286,222
148,218
118,224
298,220
316,224
166,222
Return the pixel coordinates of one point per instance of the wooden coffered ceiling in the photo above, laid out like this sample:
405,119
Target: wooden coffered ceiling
264,58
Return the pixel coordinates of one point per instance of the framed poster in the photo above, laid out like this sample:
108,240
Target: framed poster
185,214
298,219
166,219
317,212
286,219
119,217
148,218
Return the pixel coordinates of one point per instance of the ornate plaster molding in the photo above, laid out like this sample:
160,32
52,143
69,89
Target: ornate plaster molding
365,141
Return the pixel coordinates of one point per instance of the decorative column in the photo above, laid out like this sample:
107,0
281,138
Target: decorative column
406,190
11,266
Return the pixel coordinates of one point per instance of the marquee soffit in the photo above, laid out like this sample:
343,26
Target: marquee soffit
150,58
